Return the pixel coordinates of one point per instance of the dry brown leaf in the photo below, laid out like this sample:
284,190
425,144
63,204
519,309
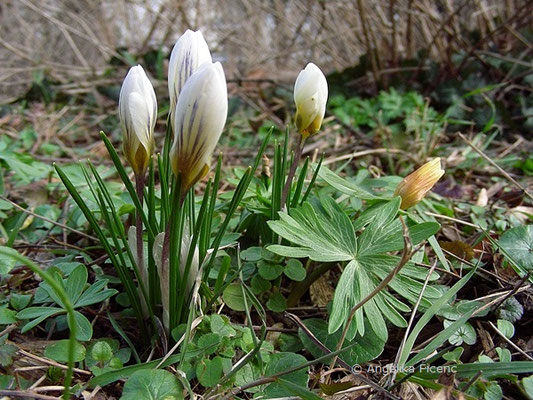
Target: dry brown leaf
321,291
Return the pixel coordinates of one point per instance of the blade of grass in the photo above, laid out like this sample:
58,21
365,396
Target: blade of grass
313,179
61,293
426,317
124,336
299,184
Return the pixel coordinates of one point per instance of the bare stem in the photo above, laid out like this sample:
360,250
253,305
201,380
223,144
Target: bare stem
297,156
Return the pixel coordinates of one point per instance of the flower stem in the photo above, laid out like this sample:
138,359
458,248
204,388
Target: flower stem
406,255
139,183
297,156
299,288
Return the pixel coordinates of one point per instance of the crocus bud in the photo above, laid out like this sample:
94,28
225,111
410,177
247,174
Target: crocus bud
310,96
198,121
188,54
415,186
137,110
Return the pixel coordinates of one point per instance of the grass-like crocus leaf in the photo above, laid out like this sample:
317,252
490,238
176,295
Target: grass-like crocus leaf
119,263
426,317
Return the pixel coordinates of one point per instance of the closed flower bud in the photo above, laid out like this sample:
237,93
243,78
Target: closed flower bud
137,110
188,54
310,97
415,186
198,122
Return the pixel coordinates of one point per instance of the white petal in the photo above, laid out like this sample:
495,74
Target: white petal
307,83
137,110
188,54
201,111
310,94
139,115
199,119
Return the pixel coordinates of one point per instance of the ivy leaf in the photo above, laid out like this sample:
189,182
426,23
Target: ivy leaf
209,371
280,362
248,373
277,302
295,270
233,297
466,333
154,384
221,325
517,244
7,351
511,310
210,341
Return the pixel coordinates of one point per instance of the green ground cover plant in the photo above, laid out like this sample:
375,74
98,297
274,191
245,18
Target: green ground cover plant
160,269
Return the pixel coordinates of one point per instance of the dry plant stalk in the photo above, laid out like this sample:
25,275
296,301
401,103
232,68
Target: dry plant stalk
73,40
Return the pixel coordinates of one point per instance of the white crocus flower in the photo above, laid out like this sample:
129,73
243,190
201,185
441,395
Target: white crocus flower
310,97
137,110
188,54
198,122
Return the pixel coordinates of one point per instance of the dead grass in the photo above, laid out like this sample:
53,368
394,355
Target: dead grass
72,41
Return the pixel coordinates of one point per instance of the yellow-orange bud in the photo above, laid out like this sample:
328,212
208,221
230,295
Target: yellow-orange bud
415,186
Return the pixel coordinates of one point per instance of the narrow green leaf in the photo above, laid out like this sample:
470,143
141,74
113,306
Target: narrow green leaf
294,389
430,312
126,180
345,186
313,180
